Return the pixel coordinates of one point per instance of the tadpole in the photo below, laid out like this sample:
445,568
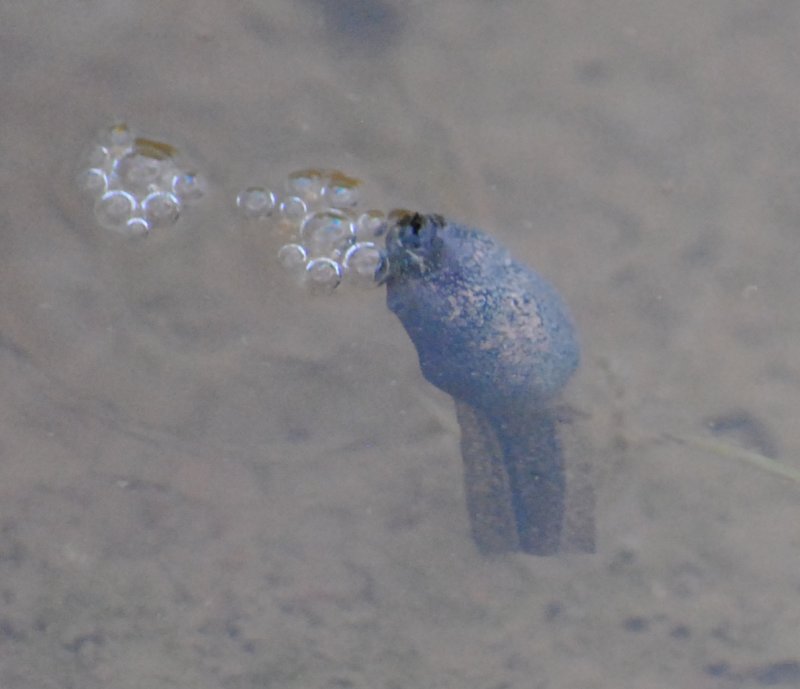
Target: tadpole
494,335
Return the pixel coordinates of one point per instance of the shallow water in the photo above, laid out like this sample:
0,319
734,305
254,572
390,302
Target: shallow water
212,480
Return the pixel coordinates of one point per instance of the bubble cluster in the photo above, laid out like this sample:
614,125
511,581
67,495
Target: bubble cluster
136,184
329,238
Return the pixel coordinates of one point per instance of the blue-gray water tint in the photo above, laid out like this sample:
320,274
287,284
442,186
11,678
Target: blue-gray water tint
211,480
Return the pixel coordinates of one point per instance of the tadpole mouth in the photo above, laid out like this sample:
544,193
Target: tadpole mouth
413,247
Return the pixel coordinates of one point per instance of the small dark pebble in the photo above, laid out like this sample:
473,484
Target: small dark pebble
340,683
9,631
359,25
781,672
680,631
721,669
636,624
553,610
593,71
745,428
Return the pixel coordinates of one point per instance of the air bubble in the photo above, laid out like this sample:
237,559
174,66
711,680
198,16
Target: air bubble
326,238
137,227
126,174
139,173
342,191
189,186
100,157
327,233
293,208
114,208
119,140
120,135
323,274
369,224
363,262
93,182
255,202
161,209
292,257
307,184
166,175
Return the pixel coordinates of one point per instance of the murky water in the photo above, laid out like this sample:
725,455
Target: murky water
213,480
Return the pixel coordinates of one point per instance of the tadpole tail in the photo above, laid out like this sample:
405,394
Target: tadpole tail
487,484
514,480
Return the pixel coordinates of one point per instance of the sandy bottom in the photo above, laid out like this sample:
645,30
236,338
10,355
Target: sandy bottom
213,481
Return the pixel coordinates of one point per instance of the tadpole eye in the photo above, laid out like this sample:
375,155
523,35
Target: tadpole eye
419,233
411,237
413,246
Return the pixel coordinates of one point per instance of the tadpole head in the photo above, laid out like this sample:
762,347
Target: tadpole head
413,245
488,330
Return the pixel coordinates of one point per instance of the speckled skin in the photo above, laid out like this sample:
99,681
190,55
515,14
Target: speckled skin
493,334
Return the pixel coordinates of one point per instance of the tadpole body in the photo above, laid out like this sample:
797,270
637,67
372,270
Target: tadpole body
494,335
